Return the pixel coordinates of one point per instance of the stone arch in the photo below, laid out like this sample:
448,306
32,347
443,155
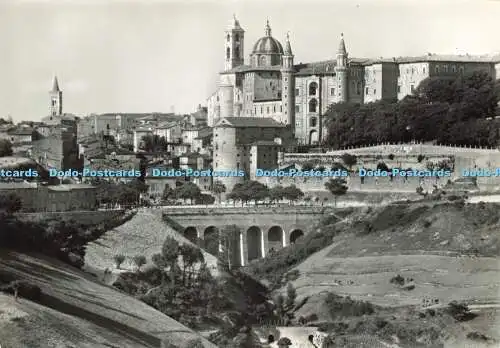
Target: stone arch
275,238
296,234
211,240
313,137
191,233
254,236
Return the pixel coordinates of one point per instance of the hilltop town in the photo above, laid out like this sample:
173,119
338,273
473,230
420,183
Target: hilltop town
322,204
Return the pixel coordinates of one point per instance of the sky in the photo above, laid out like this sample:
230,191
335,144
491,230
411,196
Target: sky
163,56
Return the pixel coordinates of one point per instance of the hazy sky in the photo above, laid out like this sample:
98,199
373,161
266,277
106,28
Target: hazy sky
145,56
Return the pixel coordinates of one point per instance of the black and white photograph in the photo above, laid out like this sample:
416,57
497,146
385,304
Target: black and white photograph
249,174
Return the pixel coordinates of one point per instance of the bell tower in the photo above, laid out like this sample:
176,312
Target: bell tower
55,106
234,45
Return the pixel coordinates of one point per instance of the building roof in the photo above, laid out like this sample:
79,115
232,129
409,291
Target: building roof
17,185
430,57
265,143
21,131
166,125
69,187
205,133
55,85
249,122
11,162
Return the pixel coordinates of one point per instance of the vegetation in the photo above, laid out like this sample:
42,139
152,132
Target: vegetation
218,188
339,306
442,109
181,286
256,191
125,194
5,148
337,187
139,261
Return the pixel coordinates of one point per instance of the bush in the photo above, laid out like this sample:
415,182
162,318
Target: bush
339,306
139,261
420,158
460,311
399,280
118,259
391,156
477,336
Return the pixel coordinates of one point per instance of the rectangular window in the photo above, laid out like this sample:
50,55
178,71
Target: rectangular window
374,91
297,108
332,91
399,89
297,91
367,91
412,88
268,109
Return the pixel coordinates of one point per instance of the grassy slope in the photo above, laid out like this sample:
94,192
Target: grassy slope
125,321
414,241
144,235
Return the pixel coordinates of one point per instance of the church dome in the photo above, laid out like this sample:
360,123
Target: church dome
267,44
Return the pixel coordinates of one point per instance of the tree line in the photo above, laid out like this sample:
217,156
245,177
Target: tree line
458,110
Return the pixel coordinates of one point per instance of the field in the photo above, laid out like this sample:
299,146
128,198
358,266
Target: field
445,252
144,235
77,311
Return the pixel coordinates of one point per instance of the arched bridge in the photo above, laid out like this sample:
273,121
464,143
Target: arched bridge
261,229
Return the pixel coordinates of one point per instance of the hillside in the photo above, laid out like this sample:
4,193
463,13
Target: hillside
144,235
443,252
76,311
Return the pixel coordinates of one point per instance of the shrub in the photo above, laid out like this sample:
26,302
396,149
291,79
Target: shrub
460,311
339,306
391,156
139,261
420,158
118,259
399,280
477,336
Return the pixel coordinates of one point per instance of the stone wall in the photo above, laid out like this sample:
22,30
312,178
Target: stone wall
82,217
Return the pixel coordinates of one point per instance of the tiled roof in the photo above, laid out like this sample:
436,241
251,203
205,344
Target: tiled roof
21,131
265,143
247,122
446,58
248,68
9,162
205,133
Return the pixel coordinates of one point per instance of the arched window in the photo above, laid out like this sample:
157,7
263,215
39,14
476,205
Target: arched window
313,122
263,60
236,37
312,88
228,53
313,104
358,88
228,37
237,52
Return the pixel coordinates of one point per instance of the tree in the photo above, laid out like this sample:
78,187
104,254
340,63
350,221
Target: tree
218,188
256,191
5,148
10,203
292,193
229,236
307,166
118,260
188,190
337,186
277,193
349,160
139,261
284,342
291,295
168,193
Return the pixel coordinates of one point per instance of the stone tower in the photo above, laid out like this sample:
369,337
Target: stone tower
55,94
234,48
341,71
288,85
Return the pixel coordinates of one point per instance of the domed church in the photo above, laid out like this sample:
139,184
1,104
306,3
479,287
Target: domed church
271,86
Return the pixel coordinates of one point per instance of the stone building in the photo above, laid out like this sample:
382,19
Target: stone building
243,143
270,85
36,198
